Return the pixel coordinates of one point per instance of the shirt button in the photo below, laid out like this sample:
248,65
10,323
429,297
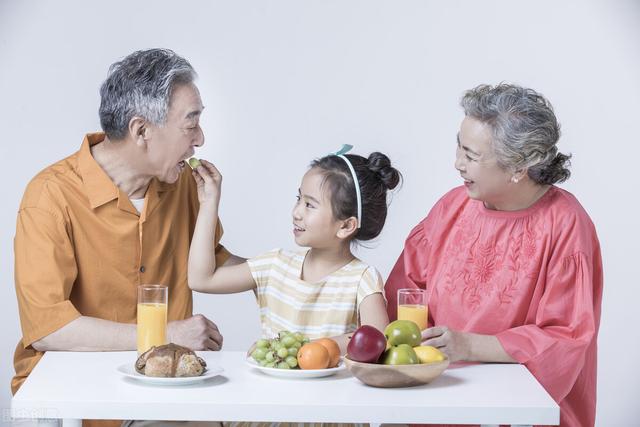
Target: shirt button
142,269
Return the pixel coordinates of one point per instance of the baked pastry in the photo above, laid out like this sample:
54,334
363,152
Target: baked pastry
170,360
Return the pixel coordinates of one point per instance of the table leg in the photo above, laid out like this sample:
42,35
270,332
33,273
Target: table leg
71,422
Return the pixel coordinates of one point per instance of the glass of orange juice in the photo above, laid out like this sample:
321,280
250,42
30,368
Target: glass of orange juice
152,316
412,305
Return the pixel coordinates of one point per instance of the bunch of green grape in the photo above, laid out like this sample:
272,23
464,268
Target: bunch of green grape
280,352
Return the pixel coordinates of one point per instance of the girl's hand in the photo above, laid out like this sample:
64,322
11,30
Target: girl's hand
209,183
456,345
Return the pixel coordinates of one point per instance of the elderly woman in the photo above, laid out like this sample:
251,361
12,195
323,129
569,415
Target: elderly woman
511,263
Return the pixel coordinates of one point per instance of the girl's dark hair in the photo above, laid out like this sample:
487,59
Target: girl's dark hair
375,175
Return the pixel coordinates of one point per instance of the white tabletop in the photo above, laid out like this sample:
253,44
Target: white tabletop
72,385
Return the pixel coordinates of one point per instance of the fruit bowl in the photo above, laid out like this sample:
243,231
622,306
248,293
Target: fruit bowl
391,376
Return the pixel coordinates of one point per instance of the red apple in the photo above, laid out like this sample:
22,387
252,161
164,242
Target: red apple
366,344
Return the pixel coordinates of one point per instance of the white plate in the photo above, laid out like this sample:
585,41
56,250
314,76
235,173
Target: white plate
128,370
296,373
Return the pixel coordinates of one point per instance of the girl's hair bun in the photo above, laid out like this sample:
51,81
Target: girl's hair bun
380,164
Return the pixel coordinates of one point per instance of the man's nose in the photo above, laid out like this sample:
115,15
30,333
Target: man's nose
199,140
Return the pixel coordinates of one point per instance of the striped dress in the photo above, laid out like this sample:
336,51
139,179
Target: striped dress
322,309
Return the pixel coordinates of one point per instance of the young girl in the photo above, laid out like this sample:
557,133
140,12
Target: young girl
324,291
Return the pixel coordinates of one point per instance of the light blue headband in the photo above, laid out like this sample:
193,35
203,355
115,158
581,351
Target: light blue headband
341,153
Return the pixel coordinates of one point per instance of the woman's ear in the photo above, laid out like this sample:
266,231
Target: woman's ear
348,227
518,175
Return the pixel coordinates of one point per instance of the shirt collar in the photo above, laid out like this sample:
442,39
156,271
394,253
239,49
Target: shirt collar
98,186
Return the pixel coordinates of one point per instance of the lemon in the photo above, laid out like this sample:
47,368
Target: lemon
428,354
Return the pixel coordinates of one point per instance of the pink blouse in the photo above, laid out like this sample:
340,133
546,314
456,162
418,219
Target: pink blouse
531,277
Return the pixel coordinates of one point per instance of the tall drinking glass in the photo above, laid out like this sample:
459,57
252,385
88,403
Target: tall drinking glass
412,305
152,316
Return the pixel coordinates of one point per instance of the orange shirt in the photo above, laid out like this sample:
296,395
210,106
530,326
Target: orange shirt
81,248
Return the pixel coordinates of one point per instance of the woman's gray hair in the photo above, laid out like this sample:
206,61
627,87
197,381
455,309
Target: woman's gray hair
525,130
141,85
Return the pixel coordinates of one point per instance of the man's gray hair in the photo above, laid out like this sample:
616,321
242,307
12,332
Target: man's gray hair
140,86
525,130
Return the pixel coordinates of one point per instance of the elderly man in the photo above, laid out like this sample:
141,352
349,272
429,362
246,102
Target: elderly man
118,213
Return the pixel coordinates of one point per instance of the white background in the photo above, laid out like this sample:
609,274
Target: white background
286,81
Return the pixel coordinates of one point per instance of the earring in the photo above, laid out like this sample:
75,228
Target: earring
514,180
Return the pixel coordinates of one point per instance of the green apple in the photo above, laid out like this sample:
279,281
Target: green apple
402,354
403,332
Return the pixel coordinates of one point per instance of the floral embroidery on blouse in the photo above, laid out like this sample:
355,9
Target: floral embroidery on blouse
480,267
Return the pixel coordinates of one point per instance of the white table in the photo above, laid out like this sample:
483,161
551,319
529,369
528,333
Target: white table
72,386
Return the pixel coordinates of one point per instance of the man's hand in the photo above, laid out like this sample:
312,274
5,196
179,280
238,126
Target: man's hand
456,345
196,332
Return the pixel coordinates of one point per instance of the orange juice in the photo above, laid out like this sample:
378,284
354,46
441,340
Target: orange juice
414,312
152,325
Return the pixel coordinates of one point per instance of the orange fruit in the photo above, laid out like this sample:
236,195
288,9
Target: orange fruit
313,356
334,350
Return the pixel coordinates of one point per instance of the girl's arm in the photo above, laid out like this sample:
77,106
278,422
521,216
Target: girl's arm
203,276
373,312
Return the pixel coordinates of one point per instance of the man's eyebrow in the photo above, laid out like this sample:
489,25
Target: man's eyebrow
464,147
194,113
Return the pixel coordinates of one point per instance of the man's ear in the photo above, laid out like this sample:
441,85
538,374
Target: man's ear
139,130
348,227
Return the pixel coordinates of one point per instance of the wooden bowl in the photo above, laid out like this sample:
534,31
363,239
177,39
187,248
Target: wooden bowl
389,376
